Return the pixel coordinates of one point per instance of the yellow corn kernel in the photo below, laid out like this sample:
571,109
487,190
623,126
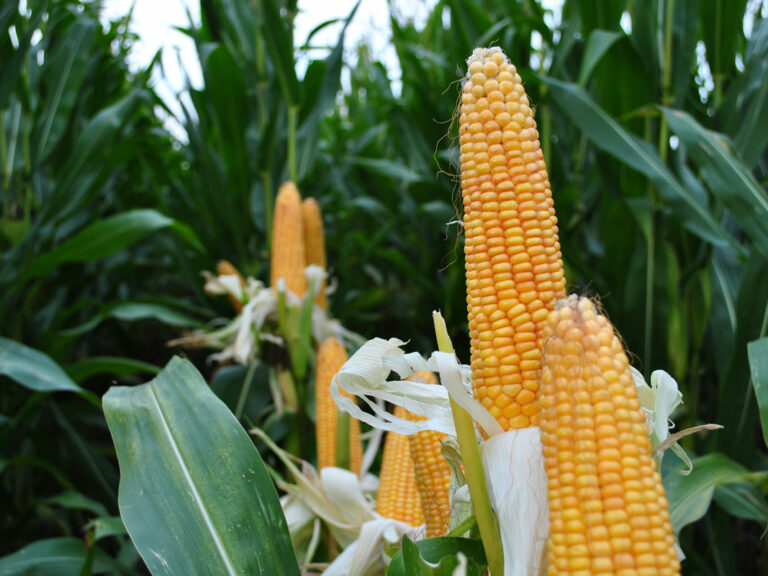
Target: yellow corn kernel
433,475
603,493
514,269
331,356
398,493
225,268
314,242
288,259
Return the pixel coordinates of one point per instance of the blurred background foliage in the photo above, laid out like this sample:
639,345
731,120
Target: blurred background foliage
653,122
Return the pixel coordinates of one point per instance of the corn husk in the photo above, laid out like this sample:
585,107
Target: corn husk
517,487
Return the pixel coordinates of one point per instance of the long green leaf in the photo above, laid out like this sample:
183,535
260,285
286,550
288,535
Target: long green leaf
116,366
68,64
725,175
598,43
57,557
133,311
279,41
194,494
612,138
310,128
757,351
743,501
100,239
10,71
33,369
94,144
689,496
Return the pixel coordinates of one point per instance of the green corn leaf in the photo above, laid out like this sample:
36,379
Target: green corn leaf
114,365
33,369
757,351
726,176
598,43
99,240
68,64
58,557
194,494
438,557
612,138
689,496
133,311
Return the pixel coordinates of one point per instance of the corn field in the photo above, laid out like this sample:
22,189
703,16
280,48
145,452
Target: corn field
501,308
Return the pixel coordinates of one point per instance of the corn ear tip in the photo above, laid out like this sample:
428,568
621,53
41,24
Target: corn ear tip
483,54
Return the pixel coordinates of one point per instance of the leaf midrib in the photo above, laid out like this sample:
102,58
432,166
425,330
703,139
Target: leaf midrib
193,487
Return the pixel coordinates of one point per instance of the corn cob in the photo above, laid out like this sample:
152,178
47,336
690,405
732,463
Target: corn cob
331,356
398,493
433,475
314,242
288,259
608,512
225,268
512,254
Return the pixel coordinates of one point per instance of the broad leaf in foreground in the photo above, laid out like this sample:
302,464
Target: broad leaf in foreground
194,495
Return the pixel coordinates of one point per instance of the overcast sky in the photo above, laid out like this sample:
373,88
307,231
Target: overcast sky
154,20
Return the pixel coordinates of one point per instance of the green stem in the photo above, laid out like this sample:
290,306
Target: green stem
546,130
293,114
463,527
27,170
662,147
717,73
266,181
261,74
4,162
15,121
692,400
650,263
668,36
245,389
666,96
473,468
649,273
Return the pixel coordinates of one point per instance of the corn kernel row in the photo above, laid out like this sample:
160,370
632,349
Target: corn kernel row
514,269
608,511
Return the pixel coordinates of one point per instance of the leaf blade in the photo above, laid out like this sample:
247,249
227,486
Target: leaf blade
612,138
33,369
757,351
193,492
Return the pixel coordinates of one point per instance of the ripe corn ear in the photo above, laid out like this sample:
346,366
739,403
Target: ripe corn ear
331,356
514,268
398,493
433,475
314,242
288,259
608,511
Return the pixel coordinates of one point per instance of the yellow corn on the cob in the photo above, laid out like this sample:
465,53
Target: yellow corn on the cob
433,475
314,242
513,264
225,268
608,512
331,356
398,493
288,259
